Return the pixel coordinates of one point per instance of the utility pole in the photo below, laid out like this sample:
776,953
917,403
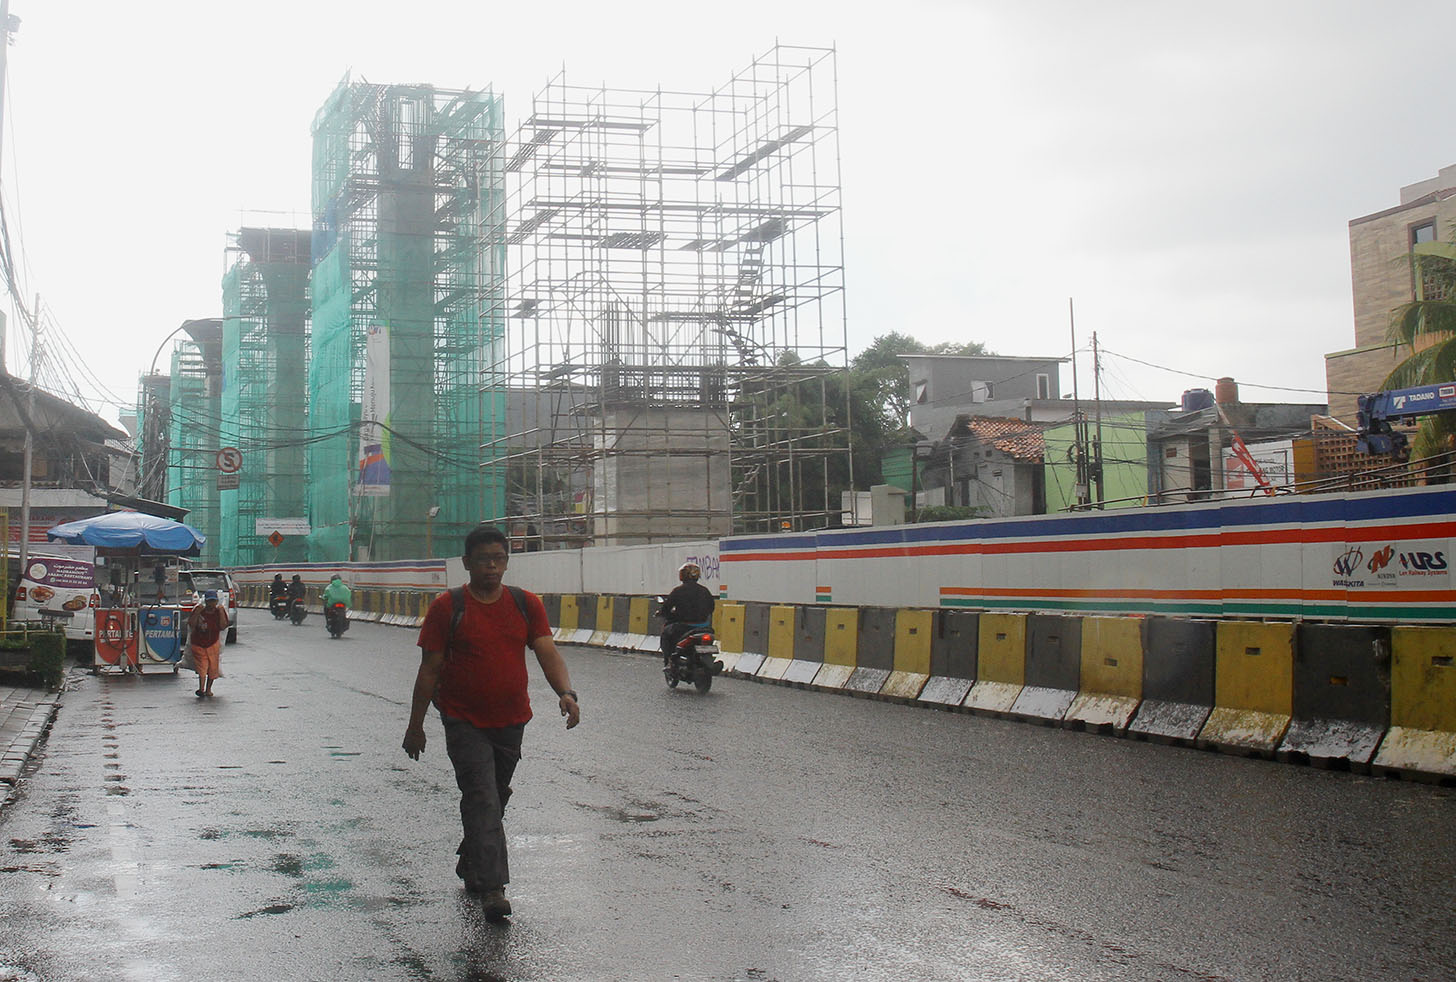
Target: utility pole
29,436
1097,410
1079,425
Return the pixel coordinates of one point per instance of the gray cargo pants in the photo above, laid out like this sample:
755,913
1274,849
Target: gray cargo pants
484,761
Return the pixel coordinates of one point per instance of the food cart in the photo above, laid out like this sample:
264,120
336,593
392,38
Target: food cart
140,623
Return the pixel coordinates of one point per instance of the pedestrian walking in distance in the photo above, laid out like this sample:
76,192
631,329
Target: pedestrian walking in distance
205,626
473,668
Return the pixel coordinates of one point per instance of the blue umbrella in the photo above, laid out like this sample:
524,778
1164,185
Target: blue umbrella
130,530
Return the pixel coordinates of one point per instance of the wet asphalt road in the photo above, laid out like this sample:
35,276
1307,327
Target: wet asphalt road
759,833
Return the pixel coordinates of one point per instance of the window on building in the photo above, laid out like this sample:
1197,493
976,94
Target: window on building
1043,385
922,392
1429,288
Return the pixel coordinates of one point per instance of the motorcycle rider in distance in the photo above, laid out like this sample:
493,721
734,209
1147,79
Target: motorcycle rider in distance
336,592
688,606
278,595
295,589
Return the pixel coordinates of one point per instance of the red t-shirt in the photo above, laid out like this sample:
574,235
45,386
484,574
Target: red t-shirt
484,677
213,621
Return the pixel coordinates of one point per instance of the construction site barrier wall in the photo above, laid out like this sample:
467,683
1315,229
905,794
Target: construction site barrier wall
1366,697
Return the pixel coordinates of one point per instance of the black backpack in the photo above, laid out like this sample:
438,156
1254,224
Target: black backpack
457,611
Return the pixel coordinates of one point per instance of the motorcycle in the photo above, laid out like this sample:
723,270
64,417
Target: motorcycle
278,606
694,659
336,618
296,610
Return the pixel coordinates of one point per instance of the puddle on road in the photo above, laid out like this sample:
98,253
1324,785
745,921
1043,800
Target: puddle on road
639,812
270,909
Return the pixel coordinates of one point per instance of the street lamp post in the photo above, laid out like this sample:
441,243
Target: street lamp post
429,529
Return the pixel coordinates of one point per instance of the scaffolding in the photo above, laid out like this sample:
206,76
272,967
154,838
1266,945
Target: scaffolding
264,398
674,361
193,414
408,253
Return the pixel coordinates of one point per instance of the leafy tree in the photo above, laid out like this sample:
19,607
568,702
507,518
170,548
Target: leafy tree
881,367
1427,326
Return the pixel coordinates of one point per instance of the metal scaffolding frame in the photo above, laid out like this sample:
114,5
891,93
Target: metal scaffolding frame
676,331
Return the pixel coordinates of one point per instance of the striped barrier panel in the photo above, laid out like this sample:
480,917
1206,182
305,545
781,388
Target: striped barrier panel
1110,681
910,669
566,626
1341,695
875,652
952,657
1422,738
781,628
755,638
809,635
1000,663
601,636
728,625
1253,687
1053,667
1178,662
586,619
841,648
552,603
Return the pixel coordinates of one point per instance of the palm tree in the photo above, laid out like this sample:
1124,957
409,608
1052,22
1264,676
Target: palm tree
1427,326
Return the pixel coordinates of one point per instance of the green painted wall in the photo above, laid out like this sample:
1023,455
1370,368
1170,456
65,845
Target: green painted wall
1124,463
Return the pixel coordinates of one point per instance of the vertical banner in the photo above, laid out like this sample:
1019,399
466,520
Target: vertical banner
374,415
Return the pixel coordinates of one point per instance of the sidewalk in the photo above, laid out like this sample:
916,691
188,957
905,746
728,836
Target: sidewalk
24,715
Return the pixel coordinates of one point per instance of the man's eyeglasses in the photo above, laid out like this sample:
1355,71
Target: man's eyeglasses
490,559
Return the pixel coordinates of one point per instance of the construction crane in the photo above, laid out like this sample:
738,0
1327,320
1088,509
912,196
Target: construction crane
1375,412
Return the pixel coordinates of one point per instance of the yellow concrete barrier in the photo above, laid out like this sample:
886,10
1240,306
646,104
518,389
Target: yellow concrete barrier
841,648
912,654
605,608
1112,674
780,642
1253,687
1001,663
567,627
728,627
1421,741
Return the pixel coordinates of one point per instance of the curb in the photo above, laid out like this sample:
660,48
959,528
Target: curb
18,754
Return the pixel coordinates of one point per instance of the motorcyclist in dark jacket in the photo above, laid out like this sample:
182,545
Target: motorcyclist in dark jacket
295,587
277,593
689,605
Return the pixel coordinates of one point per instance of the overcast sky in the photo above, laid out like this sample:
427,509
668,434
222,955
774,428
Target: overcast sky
1185,171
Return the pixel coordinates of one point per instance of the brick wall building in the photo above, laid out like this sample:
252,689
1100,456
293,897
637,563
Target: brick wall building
1382,278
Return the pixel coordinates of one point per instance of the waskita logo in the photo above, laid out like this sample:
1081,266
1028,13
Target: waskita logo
1423,562
1349,562
1381,559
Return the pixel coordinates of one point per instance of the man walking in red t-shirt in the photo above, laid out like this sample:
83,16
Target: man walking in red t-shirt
473,667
